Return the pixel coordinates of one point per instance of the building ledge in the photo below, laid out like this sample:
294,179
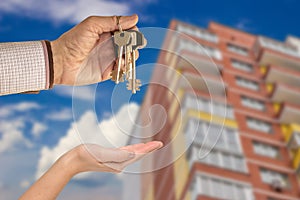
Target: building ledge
210,84
268,56
289,113
201,63
275,74
285,93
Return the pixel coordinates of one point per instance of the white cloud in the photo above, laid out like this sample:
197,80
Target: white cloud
24,106
38,128
244,25
61,115
72,11
9,109
12,135
11,130
79,92
106,133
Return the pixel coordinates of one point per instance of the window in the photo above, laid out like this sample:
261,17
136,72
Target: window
237,49
253,103
222,189
266,150
259,125
209,106
218,158
208,134
252,85
270,176
223,137
241,65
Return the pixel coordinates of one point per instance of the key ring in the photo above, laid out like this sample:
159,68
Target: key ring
118,23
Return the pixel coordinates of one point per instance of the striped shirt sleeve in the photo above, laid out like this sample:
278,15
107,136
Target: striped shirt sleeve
25,67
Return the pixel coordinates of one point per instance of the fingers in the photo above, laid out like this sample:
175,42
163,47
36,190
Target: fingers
104,155
109,24
142,148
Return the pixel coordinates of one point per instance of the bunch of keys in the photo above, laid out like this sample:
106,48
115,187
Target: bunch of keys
127,42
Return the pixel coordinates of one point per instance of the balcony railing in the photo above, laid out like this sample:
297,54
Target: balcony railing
285,93
198,33
202,65
278,46
296,158
275,53
208,106
194,47
289,114
216,187
294,142
217,158
282,75
211,85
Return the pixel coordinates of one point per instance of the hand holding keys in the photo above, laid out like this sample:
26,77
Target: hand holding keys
127,42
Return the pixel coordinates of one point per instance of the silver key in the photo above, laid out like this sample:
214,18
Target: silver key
133,83
137,41
121,39
128,58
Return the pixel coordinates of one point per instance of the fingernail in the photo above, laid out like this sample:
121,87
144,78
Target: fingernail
157,144
161,144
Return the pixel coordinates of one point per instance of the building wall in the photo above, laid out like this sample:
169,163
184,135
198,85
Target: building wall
242,62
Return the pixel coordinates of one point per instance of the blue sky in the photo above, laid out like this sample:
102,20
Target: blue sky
39,123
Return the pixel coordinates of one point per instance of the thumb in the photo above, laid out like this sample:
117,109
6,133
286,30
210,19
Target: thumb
109,24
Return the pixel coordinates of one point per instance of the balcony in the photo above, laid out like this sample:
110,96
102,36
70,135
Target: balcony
219,188
197,32
289,114
210,106
296,158
208,84
285,93
294,141
291,135
194,47
277,53
282,75
200,63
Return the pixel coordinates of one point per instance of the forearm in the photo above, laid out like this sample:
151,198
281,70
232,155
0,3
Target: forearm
53,181
25,67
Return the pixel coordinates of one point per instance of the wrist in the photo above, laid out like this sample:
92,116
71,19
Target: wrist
70,164
57,62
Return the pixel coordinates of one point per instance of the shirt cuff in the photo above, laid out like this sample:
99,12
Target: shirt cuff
25,67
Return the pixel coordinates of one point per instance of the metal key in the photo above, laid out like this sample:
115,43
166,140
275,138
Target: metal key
121,39
137,41
128,57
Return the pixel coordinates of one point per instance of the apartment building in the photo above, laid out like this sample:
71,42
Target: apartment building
232,129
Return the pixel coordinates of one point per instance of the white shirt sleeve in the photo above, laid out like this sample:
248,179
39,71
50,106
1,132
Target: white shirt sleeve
24,67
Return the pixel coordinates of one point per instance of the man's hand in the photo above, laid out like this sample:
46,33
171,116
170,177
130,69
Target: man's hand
73,47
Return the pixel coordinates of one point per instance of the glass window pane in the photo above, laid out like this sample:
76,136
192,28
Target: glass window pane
237,49
227,162
252,85
239,192
241,65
